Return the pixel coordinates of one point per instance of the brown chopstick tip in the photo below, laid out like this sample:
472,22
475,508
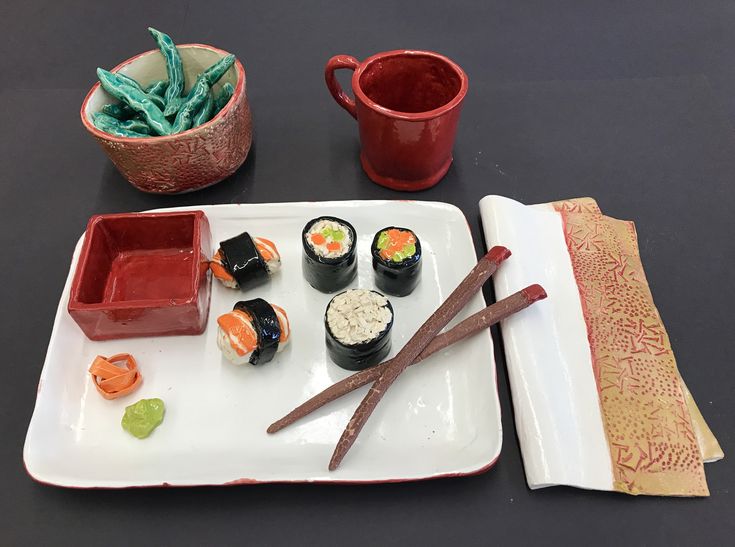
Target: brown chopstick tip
498,254
534,293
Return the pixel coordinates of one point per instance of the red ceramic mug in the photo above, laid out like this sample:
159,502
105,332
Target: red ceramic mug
407,105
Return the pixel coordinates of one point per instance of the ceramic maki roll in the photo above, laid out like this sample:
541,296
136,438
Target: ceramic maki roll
358,324
329,258
245,262
396,260
253,332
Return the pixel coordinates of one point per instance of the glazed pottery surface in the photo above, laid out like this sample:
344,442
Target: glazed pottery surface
407,105
142,275
186,161
442,418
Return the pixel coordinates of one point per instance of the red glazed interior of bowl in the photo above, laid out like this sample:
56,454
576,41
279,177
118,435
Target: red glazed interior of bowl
142,275
410,83
145,258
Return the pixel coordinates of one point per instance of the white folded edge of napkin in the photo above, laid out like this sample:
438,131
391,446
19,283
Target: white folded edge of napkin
557,412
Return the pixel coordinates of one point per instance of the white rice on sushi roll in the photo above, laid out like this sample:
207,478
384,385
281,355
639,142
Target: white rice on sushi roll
358,325
329,238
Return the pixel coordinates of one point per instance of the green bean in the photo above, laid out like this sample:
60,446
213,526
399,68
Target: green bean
224,96
205,112
158,101
174,67
194,100
155,99
139,126
212,75
119,111
138,101
157,88
130,81
218,69
110,125
105,118
173,106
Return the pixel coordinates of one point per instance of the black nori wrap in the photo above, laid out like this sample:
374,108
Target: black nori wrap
266,326
359,356
396,278
241,258
329,274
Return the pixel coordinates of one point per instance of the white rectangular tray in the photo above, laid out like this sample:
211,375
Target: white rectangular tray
441,418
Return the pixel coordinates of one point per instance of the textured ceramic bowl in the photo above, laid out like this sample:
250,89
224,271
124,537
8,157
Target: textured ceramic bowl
189,160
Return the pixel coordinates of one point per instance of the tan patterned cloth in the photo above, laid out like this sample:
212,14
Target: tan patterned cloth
656,435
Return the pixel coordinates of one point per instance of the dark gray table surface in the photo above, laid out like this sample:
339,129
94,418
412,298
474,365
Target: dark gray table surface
631,102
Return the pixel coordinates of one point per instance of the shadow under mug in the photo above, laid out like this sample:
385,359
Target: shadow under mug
407,105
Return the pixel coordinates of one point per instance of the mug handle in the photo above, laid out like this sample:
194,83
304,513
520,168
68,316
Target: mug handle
335,63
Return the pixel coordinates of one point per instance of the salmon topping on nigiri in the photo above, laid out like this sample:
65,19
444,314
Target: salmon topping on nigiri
266,250
220,272
238,325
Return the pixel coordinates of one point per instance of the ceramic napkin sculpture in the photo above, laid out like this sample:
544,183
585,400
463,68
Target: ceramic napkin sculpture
599,402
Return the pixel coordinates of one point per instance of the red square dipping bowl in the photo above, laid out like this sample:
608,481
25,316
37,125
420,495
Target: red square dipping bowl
143,274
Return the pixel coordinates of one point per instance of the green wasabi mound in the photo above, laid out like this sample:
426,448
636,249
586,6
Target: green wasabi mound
141,418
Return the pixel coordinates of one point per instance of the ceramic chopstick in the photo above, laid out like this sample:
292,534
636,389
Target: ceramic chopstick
472,325
474,281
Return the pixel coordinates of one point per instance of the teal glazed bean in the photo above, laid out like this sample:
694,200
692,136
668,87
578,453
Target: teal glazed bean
224,96
139,126
173,106
205,112
157,88
111,125
105,118
158,101
119,111
194,100
137,100
155,99
218,69
174,67
128,80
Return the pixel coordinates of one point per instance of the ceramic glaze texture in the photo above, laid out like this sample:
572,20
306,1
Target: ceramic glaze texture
142,275
407,105
441,418
653,446
189,160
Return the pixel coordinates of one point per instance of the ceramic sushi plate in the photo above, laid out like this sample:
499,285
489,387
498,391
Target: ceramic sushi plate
441,418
